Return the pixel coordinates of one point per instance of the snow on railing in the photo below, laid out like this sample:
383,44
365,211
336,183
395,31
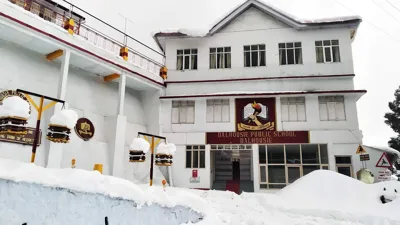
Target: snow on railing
58,14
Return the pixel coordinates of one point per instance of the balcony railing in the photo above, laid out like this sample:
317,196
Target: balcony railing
84,27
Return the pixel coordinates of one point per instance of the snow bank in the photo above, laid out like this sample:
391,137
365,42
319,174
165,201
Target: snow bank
168,148
331,191
14,106
65,117
140,144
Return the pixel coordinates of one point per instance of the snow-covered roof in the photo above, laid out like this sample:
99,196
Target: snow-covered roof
306,14
384,149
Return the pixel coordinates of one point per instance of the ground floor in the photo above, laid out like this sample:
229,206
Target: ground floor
263,167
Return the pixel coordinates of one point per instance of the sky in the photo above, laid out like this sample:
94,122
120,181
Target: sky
374,49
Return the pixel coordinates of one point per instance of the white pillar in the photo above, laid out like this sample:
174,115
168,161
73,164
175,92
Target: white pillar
56,149
256,169
121,94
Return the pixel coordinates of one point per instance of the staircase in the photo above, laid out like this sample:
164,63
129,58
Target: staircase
223,165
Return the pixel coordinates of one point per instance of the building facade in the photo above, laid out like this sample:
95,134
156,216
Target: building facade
260,100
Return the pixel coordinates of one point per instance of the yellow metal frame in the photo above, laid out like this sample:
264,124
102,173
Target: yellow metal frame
153,143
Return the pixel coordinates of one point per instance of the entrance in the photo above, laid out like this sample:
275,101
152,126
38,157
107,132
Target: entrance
231,168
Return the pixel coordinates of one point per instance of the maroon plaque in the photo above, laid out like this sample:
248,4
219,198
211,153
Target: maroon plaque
84,129
26,139
258,137
255,114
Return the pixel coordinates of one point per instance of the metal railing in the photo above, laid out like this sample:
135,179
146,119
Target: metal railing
84,27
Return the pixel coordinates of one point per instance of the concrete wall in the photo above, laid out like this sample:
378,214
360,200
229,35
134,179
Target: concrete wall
87,94
254,27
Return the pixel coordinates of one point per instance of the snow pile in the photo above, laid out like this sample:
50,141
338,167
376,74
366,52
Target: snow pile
65,117
139,144
15,106
168,149
331,191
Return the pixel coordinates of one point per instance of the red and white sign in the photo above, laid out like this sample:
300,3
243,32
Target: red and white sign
383,161
194,173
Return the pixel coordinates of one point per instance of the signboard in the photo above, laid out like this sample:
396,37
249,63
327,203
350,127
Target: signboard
26,139
84,129
257,137
194,173
360,150
384,175
383,161
364,157
255,114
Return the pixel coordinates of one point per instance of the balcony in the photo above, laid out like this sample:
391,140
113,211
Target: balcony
142,59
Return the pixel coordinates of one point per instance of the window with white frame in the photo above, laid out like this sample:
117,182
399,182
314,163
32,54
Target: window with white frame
186,59
218,110
290,53
182,112
254,55
344,166
195,156
281,165
327,51
293,109
220,58
331,108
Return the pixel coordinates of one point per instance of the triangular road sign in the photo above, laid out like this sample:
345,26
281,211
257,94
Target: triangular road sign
383,161
360,150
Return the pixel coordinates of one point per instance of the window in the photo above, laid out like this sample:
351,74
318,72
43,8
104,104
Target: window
217,110
182,112
331,108
281,165
290,53
343,165
220,58
327,51
293,109
195,156
186,59
254,55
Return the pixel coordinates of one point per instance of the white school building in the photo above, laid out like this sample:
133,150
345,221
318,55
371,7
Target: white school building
256,102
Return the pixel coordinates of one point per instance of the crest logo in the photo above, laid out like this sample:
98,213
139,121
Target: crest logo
256,115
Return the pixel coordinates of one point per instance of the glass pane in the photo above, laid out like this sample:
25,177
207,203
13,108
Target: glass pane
187,62
297,44
325,167
262,155
275,154
276,174
263,174
188,159
195,159
261,47
290,45
187,51
247,59
320,54
336,54
212,50
263,185
276,186
298,56
323,149
292,154
262,58
293,174
194,51
282,57
180,52
310,154
202,159
344,170
309,169
246,48
318,43
227,49
254,58
335,42
327,43
194,62
254,47
328,57
281,45
343,159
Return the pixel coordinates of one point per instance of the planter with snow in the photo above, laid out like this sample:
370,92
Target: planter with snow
138,150
14,114
165,154
61,125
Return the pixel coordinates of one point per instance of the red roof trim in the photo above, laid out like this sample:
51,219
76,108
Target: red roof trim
260,78
79,48
262,94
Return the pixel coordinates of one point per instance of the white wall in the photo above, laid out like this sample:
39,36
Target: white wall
254,27
87,94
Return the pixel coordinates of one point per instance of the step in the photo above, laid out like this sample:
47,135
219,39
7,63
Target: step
223,173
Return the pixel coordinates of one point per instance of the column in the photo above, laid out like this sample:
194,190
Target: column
256,168
117,136
56,149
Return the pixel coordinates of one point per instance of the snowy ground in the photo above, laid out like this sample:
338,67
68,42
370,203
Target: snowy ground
322,197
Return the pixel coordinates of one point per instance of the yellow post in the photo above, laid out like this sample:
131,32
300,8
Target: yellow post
35,141
98,167
151,161
73,163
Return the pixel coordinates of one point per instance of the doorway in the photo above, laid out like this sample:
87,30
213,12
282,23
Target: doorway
235,169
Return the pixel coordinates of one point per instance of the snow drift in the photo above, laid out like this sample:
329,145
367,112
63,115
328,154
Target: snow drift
38,195
14,106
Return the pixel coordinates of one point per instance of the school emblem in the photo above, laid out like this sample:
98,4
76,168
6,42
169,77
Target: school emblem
255,114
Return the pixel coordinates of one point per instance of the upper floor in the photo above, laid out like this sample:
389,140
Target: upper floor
256,41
